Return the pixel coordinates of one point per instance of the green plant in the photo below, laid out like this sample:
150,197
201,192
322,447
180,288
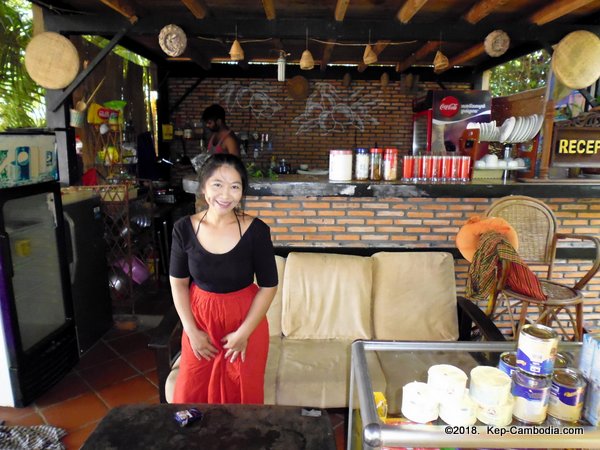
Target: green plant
521,74
257,172
21,99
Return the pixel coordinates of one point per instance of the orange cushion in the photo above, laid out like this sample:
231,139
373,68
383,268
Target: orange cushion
467,238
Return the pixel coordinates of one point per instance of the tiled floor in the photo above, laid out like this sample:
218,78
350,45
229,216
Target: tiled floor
119,369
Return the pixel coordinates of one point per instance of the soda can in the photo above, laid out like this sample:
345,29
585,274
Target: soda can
508,362
531,394
567,394
536,349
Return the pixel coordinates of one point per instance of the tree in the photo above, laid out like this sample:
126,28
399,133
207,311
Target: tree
21,99
521,74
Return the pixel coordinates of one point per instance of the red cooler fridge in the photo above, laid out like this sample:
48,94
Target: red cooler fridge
440,117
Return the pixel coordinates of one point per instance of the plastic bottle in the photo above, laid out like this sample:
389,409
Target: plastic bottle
375,164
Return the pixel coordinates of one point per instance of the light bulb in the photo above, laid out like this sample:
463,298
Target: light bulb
281,67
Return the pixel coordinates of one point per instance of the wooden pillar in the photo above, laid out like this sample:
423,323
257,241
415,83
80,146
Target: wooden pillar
547,144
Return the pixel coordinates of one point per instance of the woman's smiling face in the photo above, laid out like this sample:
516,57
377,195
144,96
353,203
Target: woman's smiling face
223,189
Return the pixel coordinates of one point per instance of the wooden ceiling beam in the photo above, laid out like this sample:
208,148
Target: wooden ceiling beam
340,9
556,9
327,52
197,7
377,49
482,9
269,8
467,55
123,7
350,29
426,49
409,9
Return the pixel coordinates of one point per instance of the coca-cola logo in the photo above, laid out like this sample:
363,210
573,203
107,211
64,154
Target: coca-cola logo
449,106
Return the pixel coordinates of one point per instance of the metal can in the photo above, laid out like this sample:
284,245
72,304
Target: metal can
566,394
536,350
562,361
508,363
531,394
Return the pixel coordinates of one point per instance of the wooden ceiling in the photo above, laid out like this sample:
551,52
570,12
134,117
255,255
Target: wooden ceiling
404,33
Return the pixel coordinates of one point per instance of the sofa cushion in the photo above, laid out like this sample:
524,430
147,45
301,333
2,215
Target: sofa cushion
326,296
270,385
414,296
316,373
274,312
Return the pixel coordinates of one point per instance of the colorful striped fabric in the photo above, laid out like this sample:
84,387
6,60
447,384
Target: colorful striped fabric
493,248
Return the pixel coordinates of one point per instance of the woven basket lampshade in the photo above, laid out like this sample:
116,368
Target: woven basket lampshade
236,53
576,59
307,61
297,87
51,60
172,40
369,57
440,62
496,43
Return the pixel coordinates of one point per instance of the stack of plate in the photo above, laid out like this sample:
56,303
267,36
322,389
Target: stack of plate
520,129
512,131
488,131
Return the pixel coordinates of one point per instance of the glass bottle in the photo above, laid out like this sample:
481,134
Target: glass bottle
375,164
361,170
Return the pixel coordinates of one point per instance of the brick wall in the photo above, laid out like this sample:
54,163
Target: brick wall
303,131
412,223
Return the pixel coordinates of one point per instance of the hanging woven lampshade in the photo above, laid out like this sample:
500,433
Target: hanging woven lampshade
307,61
236,53
369,57
440,62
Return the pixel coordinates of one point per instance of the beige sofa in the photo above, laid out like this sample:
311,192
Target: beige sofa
326,301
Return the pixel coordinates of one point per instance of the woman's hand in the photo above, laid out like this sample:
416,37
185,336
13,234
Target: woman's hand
236,344
201,345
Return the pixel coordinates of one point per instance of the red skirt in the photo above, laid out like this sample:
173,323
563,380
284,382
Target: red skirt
218,380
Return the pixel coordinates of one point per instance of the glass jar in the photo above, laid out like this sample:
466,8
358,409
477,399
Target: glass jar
361,171
340,165
375,164
390,164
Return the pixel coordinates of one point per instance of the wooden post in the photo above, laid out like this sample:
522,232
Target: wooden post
547,144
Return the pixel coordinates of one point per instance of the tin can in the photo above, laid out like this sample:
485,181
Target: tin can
566,394
536,350
562,361
508,363
531,394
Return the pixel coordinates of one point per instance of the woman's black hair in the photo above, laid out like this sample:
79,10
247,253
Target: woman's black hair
219,160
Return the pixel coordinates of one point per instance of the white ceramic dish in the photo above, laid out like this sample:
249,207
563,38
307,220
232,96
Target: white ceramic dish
313,172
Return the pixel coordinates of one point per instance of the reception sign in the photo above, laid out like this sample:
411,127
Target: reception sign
576,147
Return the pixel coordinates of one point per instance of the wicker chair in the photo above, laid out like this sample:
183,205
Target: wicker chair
535,225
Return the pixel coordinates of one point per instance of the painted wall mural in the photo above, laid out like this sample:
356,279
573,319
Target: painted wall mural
327,111
253,97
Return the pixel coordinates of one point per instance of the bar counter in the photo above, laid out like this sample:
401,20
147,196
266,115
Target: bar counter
320,186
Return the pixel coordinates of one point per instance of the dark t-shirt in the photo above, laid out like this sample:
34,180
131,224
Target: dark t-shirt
226,272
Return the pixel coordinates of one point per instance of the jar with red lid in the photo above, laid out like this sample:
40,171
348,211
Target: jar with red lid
390,164
375,164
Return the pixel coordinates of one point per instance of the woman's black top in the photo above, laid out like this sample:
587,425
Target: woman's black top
224,272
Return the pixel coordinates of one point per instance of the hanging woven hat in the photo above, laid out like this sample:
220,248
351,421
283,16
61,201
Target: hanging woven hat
51,60
172,40
440,62
297,87
576,59
496,43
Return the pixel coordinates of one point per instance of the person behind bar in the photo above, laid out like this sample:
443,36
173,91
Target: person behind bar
226,337
222,139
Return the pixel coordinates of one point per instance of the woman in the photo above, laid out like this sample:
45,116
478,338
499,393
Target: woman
226,337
